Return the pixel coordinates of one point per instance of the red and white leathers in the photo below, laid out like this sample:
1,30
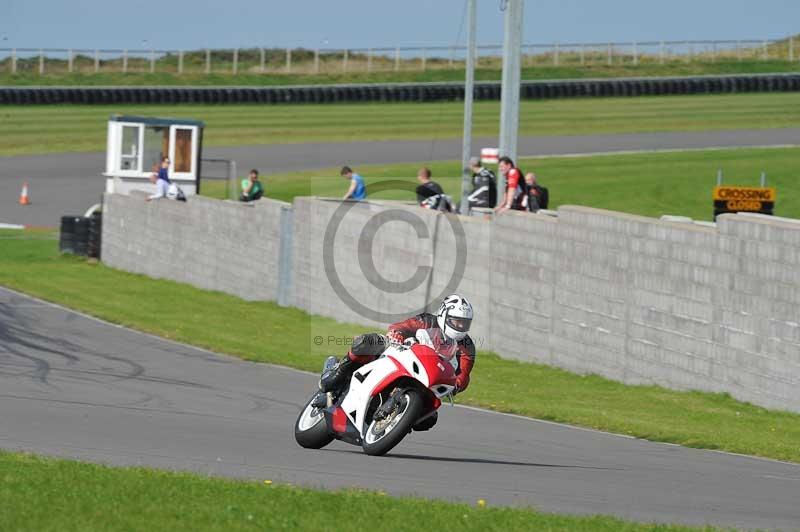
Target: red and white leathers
461,353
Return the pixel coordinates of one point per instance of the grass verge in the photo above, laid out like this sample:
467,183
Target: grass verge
89,497
68,128
649,184
284,336
407,75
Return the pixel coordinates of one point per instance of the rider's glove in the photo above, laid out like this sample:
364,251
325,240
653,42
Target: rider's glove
395,337
410,341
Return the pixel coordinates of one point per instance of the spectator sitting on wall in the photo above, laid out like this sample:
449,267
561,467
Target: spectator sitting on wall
357,190
426,188
161,180
538,196
429,194
484,186
516,188
252,189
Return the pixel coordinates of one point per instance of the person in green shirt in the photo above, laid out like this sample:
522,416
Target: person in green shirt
252,188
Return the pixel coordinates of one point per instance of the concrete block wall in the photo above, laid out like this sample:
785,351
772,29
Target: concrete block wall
634,299
396,252
211,244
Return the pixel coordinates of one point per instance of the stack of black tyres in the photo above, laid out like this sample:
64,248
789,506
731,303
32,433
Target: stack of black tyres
74,236
95,234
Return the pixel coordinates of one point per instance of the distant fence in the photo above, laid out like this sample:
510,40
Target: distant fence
236,61
398,92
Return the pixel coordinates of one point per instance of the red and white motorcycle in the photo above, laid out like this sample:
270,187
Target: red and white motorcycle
384,400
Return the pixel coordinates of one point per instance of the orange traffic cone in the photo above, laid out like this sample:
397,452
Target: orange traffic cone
23,196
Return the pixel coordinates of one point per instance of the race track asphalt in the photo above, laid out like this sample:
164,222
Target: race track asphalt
69,183
76,387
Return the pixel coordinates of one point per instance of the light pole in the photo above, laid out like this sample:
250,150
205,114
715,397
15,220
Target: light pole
466,146
509,99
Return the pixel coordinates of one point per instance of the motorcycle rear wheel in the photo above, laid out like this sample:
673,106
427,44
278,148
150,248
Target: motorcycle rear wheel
379,444
311,429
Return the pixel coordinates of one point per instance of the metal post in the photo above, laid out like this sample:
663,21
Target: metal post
180,62
13,60
719,177
765,53
235,61
661,54
635,54
424,60
583,54
69,60
450,61
610,56
763,179
316,61
288,60
397,59
208,61
469,89
369,60
555,54
152,61
344,61
124,61
96,61
41,62
261,60
509,103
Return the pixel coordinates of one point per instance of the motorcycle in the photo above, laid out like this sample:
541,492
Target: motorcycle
383,401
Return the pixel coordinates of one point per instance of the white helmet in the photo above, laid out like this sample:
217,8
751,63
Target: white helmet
454,317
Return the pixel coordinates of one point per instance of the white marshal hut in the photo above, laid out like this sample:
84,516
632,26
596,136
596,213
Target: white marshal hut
137,145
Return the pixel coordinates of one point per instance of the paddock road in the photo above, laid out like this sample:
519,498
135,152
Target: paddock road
69,183
76,387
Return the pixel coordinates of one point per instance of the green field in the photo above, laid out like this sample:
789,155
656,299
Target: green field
650,184
65,128
410,73
29,262
59,495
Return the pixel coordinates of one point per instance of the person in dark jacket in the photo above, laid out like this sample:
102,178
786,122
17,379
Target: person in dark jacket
426,187
484,186
538,196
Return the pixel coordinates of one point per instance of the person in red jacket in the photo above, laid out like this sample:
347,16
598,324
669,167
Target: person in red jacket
516,188
446,331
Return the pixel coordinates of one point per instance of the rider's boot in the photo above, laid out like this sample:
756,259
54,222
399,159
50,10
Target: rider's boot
365,348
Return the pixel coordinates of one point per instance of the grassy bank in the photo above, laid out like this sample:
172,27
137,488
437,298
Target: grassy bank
410,73
67,128
29,262
59,495
650,184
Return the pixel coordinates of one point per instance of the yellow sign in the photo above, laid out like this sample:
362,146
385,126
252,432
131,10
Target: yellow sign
743,199
744,194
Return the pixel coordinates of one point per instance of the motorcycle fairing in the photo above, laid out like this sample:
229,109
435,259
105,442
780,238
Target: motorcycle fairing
366,382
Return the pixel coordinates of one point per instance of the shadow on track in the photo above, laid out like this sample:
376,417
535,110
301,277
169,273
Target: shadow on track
476,460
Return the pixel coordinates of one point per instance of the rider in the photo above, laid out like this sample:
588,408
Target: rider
447,330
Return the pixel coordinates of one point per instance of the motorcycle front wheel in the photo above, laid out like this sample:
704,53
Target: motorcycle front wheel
311,429
381,436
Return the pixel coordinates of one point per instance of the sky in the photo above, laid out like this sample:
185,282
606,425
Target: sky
194,24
